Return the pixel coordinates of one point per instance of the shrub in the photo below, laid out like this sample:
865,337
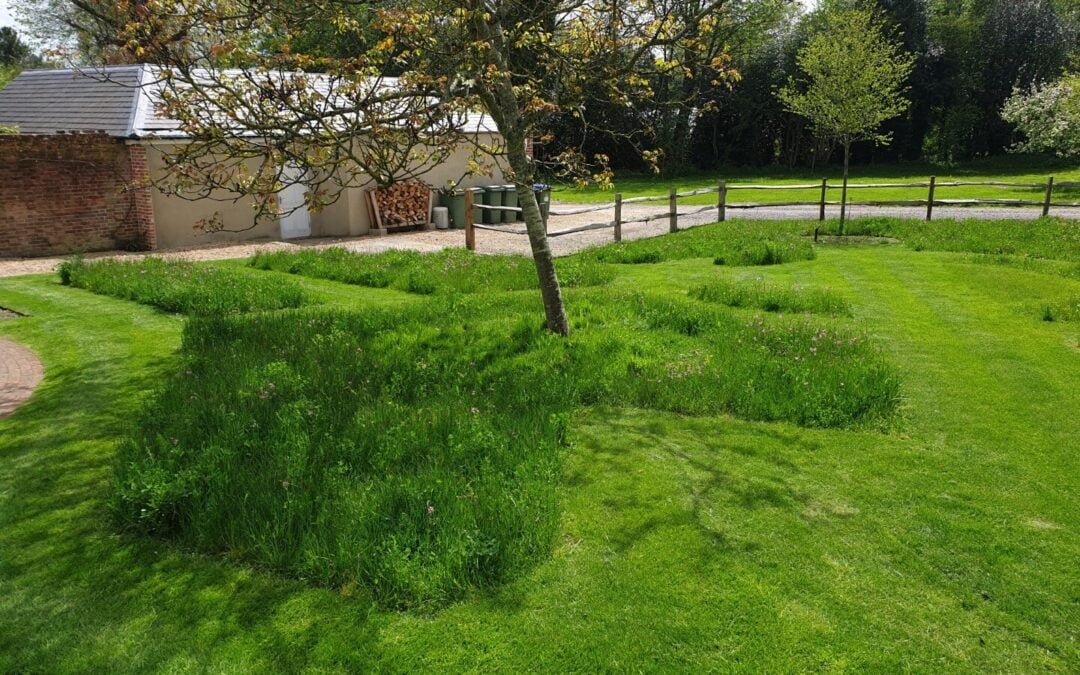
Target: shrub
731,243
770,297
180,286
450,270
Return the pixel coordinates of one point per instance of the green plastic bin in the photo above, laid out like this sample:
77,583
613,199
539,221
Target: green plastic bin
479,197
455,203
510,198
543,199
494,194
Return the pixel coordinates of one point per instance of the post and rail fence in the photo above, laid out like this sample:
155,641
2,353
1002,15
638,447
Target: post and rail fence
723,205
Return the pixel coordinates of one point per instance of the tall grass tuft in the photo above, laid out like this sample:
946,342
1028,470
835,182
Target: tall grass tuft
736,243
183,287
758,294
414,452
450,270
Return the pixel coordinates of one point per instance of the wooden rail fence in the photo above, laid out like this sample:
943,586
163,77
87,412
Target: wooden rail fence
723,205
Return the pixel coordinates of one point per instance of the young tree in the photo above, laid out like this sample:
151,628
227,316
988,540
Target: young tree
854,75
235,81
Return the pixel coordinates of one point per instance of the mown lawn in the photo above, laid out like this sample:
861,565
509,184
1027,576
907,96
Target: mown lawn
1010,169
946,541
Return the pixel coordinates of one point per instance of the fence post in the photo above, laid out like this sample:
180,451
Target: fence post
673,210
1049,196
930,199
722,204
824,195
618,217
470,231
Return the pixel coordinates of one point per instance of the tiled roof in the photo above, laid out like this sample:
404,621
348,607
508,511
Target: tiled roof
51,101
119,101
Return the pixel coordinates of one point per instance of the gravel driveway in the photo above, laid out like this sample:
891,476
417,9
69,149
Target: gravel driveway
502,242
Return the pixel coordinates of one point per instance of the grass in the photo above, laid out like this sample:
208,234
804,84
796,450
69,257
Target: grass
182,287
1012,169
412,455
451,270
684,543
759,294
1066,310
748,243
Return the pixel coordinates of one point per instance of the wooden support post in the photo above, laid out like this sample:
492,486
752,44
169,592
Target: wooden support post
722,203
1049,196
618,217
824,197
470,231
673,210
930,199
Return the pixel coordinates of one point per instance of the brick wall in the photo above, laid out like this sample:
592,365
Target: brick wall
73,192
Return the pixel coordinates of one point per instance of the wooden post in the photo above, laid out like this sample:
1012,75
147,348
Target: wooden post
930,199
673,210
618,217
722,203
1049,196
470,231
824,196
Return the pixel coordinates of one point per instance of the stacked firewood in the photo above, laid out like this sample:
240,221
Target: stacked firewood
402,204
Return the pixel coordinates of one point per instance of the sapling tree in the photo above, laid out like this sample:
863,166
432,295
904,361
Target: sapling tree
853,80
237,77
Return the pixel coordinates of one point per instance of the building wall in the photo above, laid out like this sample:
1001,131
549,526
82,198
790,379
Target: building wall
178,219
70,193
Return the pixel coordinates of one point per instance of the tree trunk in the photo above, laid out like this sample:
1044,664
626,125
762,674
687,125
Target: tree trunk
843,193
550,290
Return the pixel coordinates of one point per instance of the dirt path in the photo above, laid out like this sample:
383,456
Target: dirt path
503,242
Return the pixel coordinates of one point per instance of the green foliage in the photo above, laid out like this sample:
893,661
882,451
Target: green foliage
854,77
183,287
450,270
734,243
759,294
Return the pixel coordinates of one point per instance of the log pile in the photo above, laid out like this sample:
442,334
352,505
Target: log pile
404,204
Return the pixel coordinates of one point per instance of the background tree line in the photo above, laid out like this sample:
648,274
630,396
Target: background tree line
720,108
970,56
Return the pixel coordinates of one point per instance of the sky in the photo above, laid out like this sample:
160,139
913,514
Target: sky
5,14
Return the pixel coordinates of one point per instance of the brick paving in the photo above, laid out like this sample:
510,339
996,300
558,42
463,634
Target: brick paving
20,373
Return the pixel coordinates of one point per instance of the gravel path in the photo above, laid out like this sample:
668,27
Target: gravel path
502,242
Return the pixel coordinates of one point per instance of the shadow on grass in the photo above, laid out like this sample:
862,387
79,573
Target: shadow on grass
718,464
75,592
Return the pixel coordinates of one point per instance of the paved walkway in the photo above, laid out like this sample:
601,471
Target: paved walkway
501,242
20,373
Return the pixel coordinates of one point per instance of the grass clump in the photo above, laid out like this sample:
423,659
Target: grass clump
759,294
738,243
449,270
1047,238
364,448
415,452
1066,310
182,287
